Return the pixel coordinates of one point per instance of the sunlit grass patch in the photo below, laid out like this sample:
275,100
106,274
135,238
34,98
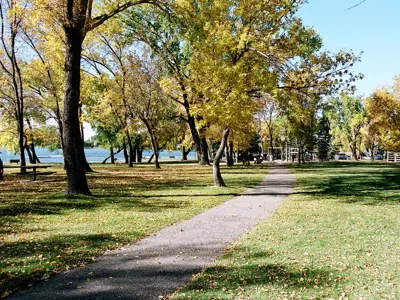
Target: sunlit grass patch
43,231
336,236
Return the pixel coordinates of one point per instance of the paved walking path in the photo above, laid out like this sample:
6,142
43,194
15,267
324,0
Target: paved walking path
160,264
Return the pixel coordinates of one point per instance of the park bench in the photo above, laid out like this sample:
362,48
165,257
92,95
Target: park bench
34,171
14,161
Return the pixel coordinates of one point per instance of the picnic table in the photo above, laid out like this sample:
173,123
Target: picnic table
34,170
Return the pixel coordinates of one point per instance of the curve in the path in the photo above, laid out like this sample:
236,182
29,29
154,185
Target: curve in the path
160,264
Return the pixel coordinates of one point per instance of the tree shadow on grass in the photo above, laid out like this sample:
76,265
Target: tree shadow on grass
218,279
367,183
50,256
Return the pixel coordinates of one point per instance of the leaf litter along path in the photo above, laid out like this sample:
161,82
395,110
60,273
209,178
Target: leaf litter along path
160,264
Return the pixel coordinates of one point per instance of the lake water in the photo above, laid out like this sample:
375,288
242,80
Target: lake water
95,155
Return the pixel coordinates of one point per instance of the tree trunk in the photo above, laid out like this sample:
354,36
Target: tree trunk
237,153
28,151
126,155
154,145
183,151
229,155
135,149
134,156
88,169
299,154
21,142
271,145
303,156
353,148
34,155
1,170
112,155
218,181
150,158
156,156
287,151
204,158
60,124
192,124
130,149
226,152
154,142
139,154
74,156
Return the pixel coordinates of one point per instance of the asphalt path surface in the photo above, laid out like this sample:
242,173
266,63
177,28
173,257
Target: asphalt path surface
160,264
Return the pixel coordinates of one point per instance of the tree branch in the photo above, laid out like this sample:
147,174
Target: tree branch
97,21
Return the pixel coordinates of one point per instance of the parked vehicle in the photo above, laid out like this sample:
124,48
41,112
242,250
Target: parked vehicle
378,156
342,156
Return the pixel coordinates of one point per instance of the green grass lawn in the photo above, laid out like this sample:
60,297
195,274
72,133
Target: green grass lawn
336,237
42,231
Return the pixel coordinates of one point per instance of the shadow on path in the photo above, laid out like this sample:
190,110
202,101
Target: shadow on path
160,264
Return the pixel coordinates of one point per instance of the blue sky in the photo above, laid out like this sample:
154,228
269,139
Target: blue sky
372,27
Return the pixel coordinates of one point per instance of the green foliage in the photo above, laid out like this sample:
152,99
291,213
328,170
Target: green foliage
347,117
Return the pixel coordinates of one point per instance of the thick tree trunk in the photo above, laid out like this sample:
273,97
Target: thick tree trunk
218,181
74,156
